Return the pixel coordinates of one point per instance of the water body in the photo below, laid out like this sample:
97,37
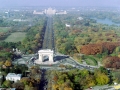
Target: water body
106,21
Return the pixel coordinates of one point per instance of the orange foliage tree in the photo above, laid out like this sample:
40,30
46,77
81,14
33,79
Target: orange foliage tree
112,62
92,49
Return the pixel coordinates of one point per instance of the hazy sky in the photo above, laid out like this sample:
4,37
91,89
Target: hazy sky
114,3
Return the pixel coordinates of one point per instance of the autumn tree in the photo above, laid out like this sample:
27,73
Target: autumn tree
90,81
27,87
8,63
93,49
25,80
101,78
18,85
111,62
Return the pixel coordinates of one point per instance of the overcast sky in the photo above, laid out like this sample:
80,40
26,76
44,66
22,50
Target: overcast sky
114,3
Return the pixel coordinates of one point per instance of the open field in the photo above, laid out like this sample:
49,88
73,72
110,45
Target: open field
4,29
15,37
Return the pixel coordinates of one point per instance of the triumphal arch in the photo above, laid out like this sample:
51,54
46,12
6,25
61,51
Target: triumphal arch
45,54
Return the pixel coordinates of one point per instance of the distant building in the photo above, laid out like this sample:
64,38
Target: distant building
19,20
50,11
35,12
67,25
62,12
13,77
80,18
7,14
7,89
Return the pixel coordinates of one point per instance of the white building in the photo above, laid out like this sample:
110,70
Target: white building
50,11
19,20
7,89
13,77
60,13
80,18
67,25
35,12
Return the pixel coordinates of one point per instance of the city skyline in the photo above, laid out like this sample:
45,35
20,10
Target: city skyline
108,3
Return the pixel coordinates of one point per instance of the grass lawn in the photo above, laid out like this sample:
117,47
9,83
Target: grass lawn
4,29
90,62
16,37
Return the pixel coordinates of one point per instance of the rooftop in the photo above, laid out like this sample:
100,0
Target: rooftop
13,75
7,88
46,50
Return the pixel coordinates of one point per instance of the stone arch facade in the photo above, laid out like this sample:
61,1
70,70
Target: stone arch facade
46,52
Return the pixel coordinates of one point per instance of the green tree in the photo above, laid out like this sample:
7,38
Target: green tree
84,72
101,78
25,80
29,88
37,36
7,83
117,50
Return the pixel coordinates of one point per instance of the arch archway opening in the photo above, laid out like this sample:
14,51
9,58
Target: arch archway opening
45,58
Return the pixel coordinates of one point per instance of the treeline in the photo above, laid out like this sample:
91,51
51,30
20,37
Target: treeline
33,40
31,43
34,37
70,40
93,49
113,16
79,79
112,62
83,36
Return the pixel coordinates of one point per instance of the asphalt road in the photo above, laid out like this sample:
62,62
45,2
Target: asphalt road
48,42
44,82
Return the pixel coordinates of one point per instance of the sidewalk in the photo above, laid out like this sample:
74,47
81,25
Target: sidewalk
105,87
